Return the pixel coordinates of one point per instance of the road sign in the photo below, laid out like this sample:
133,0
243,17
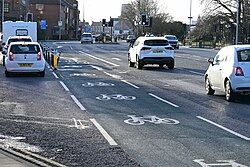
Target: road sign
43,24
60,23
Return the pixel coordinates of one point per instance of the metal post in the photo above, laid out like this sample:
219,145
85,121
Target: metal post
60,20
2,11
237,24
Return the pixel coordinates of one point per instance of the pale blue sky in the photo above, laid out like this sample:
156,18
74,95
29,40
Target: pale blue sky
96,10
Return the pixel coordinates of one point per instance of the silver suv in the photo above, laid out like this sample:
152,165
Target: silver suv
172,39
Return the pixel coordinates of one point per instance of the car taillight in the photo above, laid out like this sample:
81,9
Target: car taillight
39,56
11,56
145,48
169,48
239,71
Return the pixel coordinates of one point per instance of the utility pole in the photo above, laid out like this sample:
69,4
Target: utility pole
2,11
237,23
60,20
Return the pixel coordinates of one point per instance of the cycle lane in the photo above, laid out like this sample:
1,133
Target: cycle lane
154,144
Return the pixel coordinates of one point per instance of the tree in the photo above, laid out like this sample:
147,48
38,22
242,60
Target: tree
136,8
226,9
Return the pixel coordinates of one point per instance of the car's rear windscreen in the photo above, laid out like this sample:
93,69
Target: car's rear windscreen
244,55
87,35
25,49
156,42
19,40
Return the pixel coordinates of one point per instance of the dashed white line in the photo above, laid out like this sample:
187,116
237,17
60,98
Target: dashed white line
55,75
64,86
194,72
224,128
78,103
130,84
165,101
112,75
97,58
104,133
117,59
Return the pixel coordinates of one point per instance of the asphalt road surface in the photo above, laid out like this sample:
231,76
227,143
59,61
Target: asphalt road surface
150,117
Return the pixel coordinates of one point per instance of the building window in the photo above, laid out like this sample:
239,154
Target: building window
40,7
6,8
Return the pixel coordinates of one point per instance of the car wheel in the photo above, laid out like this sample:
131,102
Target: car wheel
81,42
171,65
138,64
130,64
42,74
230,95
161,65
3,60
7,74
209,90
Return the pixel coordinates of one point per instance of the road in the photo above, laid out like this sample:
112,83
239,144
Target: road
154,116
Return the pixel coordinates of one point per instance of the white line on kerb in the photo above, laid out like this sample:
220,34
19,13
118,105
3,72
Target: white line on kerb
168,102
55,75
64,86
78,103
104,133
224,128
105,61
130,84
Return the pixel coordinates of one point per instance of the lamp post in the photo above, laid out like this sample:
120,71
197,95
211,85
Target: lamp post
2,11
237,24
60,20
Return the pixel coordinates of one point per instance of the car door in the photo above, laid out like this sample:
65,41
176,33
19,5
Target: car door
133,50
216,71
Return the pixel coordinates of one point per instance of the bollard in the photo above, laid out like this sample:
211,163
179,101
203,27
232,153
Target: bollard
55,59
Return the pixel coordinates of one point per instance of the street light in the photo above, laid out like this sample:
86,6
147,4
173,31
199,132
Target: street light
2,11
60,21
237,24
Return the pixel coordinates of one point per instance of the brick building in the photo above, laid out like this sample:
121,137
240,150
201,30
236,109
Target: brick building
48,10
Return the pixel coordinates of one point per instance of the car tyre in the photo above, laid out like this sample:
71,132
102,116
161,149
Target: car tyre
230,95
130,64
7,74
161,65
171,65
42,74
3,60
208,88
138,64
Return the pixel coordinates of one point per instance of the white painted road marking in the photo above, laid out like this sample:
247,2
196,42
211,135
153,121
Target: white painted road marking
130,84
193,72
113,76
117,59
224,128
165,101
55,75
97,58
64,86
104,133
78,103
230,162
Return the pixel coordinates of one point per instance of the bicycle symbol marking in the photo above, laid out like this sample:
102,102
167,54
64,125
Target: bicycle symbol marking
231,163
134,120
115,96
89,84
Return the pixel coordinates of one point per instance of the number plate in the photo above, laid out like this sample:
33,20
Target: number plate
25,64
157,51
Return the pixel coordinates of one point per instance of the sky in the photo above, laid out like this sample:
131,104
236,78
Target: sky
96,10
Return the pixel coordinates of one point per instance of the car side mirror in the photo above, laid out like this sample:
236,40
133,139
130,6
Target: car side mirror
211,60
4,52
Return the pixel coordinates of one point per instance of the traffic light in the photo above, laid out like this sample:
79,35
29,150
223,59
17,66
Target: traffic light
29,17
103,22
111,23
221,27
143,19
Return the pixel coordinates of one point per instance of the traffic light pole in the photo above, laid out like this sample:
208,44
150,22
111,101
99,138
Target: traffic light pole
2,11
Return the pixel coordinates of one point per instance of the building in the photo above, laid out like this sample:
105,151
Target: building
14,10
45,11
49,11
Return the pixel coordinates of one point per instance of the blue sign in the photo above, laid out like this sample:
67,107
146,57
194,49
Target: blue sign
43,24
89,29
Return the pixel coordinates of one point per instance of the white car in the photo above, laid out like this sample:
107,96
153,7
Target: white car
151,50
229,71
24,57
14,39
172,39
87,38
